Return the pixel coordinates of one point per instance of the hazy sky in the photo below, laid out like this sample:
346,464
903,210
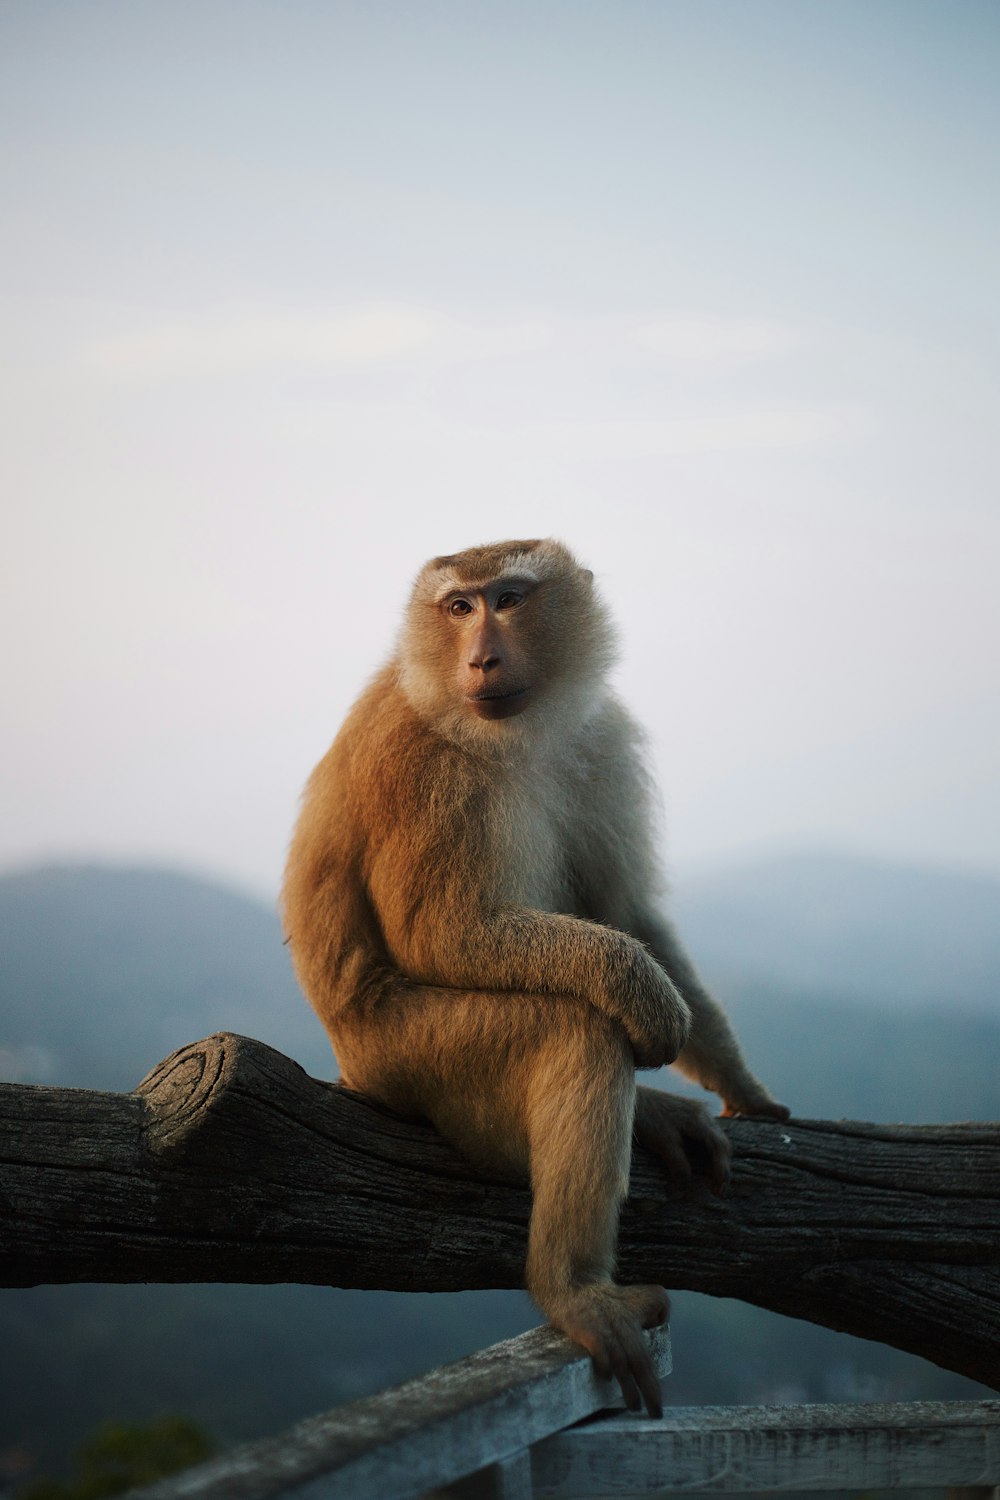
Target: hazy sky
296,294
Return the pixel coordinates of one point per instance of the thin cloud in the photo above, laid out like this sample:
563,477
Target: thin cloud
233,342
546,352
240,340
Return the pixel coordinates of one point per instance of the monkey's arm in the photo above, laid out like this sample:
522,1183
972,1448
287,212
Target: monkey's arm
442,935
712,1056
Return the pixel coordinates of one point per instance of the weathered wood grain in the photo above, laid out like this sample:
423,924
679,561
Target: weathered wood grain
230,1164
402,1443
704,1450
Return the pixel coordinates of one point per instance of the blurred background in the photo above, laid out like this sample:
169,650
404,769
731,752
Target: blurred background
297,295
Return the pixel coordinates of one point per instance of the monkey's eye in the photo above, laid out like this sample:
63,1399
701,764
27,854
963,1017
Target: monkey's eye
460,607
509,599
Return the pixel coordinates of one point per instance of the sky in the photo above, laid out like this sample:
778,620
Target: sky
296,295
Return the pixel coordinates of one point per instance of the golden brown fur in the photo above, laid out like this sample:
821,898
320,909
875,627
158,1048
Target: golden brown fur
470,902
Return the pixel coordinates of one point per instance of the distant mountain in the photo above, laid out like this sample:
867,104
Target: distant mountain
821,924
105,970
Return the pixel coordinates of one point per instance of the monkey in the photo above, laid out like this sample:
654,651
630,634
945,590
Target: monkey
471,906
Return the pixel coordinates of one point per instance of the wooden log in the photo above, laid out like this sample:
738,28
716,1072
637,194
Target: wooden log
229,1163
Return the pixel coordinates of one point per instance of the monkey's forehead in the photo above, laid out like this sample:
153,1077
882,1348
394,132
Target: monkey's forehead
446,582
477,566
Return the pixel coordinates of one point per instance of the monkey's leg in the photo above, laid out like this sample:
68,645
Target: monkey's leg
580,1102
534,1085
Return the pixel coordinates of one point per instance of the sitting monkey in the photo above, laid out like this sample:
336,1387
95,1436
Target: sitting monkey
470,902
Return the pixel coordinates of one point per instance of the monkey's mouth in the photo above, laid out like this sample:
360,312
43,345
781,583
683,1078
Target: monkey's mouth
498,705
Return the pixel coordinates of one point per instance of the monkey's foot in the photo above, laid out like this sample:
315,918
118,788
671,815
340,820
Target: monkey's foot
607,1320
684,1136
759,1105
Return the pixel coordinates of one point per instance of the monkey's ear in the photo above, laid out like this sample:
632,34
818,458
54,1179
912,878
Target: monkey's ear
586,575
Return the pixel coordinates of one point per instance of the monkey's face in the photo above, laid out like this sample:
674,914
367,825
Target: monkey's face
494,671
496,631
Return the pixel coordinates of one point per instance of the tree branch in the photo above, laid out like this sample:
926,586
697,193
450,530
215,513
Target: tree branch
229,1163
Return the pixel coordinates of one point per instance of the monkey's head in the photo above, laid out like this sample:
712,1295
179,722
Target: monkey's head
505,632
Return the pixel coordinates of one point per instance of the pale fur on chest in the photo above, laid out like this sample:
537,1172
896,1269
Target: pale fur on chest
533,822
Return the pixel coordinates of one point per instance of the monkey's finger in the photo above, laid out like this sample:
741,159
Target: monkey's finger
670,1149
601,1358
631,1356
715,1143
643,1376
722,1173
659,1315
622,1367
652,1395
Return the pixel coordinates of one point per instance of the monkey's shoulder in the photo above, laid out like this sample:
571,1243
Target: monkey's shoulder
393,769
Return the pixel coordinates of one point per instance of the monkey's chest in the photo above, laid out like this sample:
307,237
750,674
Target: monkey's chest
532,850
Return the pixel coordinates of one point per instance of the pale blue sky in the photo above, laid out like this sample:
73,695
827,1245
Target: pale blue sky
295,295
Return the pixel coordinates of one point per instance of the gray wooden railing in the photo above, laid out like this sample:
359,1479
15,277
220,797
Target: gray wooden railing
529,1420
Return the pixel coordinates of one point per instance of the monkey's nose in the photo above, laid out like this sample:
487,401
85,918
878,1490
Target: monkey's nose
484,661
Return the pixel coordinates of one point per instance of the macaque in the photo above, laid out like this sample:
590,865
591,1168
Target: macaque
471,906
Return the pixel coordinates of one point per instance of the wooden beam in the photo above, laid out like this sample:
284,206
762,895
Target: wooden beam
482,1412
229,1163
739,1449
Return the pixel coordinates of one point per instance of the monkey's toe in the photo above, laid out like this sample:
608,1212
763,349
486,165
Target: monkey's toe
756,1109
608,1321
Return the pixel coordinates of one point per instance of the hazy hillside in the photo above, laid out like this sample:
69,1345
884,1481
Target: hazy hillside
824,924
104,971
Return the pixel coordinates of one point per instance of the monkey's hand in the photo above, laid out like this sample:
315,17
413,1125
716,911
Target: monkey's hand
652,1010
685,1137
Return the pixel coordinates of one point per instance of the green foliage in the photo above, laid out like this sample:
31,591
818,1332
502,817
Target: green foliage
118,1458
